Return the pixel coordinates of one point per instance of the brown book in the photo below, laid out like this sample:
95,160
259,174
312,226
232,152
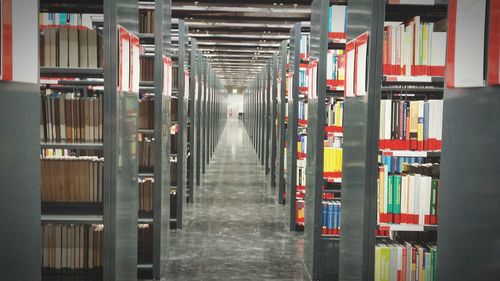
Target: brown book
73,48
83,48
92,48
67,120
81,246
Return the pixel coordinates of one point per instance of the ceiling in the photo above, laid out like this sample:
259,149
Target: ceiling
239,36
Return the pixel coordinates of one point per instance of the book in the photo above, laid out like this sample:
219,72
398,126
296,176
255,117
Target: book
71,117
146,154
146,187
71,247
337,21
331,217
413,48
411,125
405,261
72,179
408,196
70,41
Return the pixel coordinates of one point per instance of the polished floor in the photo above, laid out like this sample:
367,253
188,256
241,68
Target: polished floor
235,231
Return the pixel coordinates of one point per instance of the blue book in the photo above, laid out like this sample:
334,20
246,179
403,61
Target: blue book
324,214
330,215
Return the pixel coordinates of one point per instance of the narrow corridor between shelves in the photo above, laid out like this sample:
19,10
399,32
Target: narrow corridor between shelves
235,230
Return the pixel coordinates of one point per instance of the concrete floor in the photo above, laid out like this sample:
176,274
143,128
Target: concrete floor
235,231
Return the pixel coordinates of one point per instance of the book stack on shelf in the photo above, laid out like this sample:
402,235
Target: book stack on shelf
411,121
405,261
330,216
70,40
146,21
72,248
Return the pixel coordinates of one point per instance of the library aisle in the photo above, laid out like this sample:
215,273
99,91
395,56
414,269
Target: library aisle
235,231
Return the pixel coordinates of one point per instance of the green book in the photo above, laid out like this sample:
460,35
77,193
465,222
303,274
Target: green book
434,189
390,199
396,200
385,263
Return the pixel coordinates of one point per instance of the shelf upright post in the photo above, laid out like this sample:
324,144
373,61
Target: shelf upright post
161,204
282,100
360,149
20,138
120,140
204,112
198,117
193,83
183,95
274,117
293,108
267,115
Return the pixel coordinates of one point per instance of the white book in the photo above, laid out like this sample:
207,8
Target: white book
382,120
438,49
63,47
404,193
469,43
411,191
338,18
387,119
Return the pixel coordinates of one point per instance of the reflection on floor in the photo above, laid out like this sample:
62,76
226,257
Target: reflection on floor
235,231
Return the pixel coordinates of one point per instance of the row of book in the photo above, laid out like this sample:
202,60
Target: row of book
407,198
145,244
303,77
69,117
72,247
65,46
411,125
332,161
146,187
337,21
414,48
301,172
303,110
146,21
335,65
146,154
300,206
305,46
80,21
330,217
147,68
405,261
334,113
302,144
396,164
72,179
146,113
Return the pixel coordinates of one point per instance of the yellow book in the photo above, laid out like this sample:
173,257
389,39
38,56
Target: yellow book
385,263
377,263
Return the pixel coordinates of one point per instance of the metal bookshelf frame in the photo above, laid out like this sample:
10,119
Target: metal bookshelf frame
274,118
281,126
293,122
160,221
193,121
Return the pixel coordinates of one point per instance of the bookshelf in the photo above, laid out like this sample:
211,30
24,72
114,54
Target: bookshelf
274,72
325,132
179,105
110,216
198,115
204,114
473,153
267,88
154,218
20,131
297,126
192,119
371,223
281,127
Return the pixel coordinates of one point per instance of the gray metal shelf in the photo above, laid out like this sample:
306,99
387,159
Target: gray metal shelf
71,72
82,145
72,219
